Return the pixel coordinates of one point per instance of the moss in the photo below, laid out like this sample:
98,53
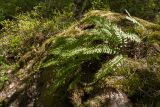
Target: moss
130,78
132,84
135,76
67,71
154,37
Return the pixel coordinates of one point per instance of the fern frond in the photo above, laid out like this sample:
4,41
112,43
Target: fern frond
108,67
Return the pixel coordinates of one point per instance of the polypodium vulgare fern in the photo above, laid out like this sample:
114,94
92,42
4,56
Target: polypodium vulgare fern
66,54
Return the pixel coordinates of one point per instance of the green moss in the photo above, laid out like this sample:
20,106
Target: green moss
91,55
132,84
154,37
130,77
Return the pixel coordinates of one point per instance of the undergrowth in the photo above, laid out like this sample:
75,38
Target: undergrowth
27,33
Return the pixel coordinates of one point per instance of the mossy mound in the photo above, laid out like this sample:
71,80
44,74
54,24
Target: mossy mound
105,59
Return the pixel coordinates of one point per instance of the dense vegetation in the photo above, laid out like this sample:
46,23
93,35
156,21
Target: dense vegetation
62,53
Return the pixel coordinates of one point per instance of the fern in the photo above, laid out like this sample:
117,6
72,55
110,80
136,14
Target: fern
108,67
111,30
67,54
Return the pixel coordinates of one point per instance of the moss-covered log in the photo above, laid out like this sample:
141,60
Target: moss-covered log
105,59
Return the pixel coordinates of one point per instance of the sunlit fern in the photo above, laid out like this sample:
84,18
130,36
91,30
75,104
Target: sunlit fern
67,54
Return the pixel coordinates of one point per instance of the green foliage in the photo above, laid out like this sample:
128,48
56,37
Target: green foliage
35,21
26,33
3,76
45,8
63,5
67,54
11,8
30,30
2,17
147,9
15,32
108,67
100,4
3,66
